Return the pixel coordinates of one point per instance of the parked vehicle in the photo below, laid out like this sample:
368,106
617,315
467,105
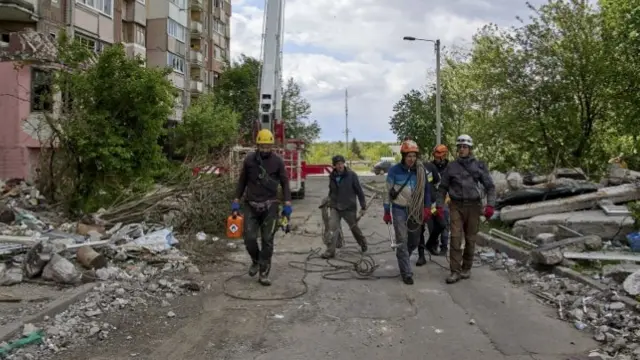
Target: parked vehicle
382,167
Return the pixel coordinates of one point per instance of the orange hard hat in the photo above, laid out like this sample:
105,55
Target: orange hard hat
409,146
440,151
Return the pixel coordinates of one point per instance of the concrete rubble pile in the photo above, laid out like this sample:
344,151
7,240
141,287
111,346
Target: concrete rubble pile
565,219
541,204
131,265
614,324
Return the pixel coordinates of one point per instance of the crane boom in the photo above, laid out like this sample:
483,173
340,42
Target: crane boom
270,107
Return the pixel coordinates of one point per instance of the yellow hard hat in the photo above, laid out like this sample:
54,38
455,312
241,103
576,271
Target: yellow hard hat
264,137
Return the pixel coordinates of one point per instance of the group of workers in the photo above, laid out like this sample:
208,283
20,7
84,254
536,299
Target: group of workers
441,196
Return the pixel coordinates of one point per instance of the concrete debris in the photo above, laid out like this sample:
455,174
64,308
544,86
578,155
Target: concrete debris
603,313
139,285
632,284
616,194
552,253
594,222
132,265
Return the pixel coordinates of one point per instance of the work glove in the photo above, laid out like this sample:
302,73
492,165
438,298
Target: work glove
488,212
387,217
286,211
426,213
235,207
440,212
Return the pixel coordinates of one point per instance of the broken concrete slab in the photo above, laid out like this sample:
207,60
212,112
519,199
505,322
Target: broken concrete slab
544,238
602,255
632,284
617,194
585,222
551,254
618,175
619,272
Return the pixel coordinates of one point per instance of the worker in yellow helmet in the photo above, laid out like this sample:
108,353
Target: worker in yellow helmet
261,173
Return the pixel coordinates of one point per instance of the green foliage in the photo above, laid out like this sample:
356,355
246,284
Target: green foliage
296,111
559,90
208,125
112,117
321,152
355,149
239,88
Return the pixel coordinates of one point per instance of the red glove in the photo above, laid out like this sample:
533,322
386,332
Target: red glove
426,213
488,212
440,212
387,218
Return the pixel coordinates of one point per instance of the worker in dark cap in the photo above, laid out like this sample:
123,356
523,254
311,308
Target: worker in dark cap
345,192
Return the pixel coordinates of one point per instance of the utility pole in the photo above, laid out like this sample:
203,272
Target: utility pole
438,96
438,88
346,122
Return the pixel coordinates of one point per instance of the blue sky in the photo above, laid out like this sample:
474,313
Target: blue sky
331,45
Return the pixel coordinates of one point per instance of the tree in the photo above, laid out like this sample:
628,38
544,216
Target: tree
208,125
414,115
109,126
296,111
238,87
550,92
355,149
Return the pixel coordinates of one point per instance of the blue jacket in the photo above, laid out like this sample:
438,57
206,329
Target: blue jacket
396,177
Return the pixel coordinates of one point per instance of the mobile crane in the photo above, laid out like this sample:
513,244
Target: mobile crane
270,103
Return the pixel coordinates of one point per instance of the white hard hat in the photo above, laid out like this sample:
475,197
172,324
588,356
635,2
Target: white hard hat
464,140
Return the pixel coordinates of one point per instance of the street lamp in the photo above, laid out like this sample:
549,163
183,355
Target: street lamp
438,90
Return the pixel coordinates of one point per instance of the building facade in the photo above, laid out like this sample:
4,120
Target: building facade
189,36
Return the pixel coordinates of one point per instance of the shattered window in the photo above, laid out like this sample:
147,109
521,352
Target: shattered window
41,90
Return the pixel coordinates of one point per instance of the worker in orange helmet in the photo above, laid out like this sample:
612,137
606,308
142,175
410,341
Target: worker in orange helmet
440,227
407,205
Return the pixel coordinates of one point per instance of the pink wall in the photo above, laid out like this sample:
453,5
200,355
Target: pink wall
17,148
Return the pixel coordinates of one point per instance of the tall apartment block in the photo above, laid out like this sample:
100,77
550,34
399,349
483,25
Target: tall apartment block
191,37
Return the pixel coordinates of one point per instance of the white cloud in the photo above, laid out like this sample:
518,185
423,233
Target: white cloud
331,45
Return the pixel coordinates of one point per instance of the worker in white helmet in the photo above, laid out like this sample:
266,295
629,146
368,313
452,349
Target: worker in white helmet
461,180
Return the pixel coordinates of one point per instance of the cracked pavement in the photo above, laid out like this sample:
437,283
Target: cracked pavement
483,318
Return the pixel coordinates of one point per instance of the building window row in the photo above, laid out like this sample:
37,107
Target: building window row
177,31
103,6
175,62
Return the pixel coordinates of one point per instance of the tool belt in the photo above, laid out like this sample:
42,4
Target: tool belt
261,206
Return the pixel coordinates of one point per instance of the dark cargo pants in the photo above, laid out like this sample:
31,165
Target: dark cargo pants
335,219
407,239
261,223
465,222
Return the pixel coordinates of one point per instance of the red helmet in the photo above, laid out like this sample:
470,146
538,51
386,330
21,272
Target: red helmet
409,146
440,151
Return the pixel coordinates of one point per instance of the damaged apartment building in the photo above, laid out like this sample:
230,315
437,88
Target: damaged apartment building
190,36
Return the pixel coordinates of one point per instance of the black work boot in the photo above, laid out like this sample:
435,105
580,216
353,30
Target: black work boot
443,251
407,280
453,278
264,275
253,269
328,254
433,251
421,259
465,274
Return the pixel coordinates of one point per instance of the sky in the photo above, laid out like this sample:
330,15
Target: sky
333,45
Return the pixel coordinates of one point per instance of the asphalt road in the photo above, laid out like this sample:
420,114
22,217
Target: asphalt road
484,318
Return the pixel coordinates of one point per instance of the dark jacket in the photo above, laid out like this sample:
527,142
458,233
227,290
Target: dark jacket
261,177
460,180
433,175
441,166
344,189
